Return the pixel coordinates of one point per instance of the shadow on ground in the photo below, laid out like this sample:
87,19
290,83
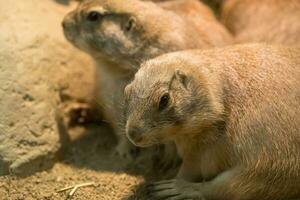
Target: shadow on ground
93,149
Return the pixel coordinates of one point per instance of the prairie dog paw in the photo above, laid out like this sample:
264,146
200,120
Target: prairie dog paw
174,190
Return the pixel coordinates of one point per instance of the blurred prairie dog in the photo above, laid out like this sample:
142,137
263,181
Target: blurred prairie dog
119,35
234,114
271,21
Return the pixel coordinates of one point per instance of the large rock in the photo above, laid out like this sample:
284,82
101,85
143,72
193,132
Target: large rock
38,70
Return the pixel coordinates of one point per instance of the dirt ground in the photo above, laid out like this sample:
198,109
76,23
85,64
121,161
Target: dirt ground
87,154
88,158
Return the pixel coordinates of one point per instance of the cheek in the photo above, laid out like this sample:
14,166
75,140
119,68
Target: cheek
115,38
169,131
71,32
89,41
161,134
83,41
110,30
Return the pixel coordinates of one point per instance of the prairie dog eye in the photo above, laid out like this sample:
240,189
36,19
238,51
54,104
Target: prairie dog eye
93,16
164,101
130,24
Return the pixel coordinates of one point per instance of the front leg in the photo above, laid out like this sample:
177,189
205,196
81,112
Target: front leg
166,157
175,189
189,171
238,183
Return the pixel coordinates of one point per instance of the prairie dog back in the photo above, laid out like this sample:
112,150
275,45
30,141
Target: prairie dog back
271,21
120,35
234,115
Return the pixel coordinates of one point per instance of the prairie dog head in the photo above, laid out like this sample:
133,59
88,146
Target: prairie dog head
126,32
167,100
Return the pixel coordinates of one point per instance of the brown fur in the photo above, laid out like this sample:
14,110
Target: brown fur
154,29
234,114
271,21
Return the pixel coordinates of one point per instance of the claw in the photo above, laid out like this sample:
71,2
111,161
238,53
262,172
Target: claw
162,187
165,193
173,190
179,198
165,182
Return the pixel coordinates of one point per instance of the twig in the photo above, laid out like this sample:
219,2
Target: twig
64,189
74,188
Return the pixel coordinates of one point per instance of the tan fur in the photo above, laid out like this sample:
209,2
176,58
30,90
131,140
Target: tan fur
157,29
234,114
271,21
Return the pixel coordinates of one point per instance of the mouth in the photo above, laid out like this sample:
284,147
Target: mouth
69,32
68,36
144,141
137,141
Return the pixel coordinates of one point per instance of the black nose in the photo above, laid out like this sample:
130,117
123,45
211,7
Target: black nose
135,134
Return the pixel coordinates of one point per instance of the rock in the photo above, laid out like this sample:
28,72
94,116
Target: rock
40,75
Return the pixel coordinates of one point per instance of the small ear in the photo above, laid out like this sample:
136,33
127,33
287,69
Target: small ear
130,23
181,78
127,90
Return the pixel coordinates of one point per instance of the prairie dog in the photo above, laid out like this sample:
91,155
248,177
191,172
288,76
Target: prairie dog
234,114
271,21
119,35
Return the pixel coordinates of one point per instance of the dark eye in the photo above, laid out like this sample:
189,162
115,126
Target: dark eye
164,101
93,16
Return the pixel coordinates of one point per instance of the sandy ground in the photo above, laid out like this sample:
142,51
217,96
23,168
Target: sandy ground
88,158
88,151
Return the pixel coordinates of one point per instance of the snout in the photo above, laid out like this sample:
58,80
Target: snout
69,26
134,134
